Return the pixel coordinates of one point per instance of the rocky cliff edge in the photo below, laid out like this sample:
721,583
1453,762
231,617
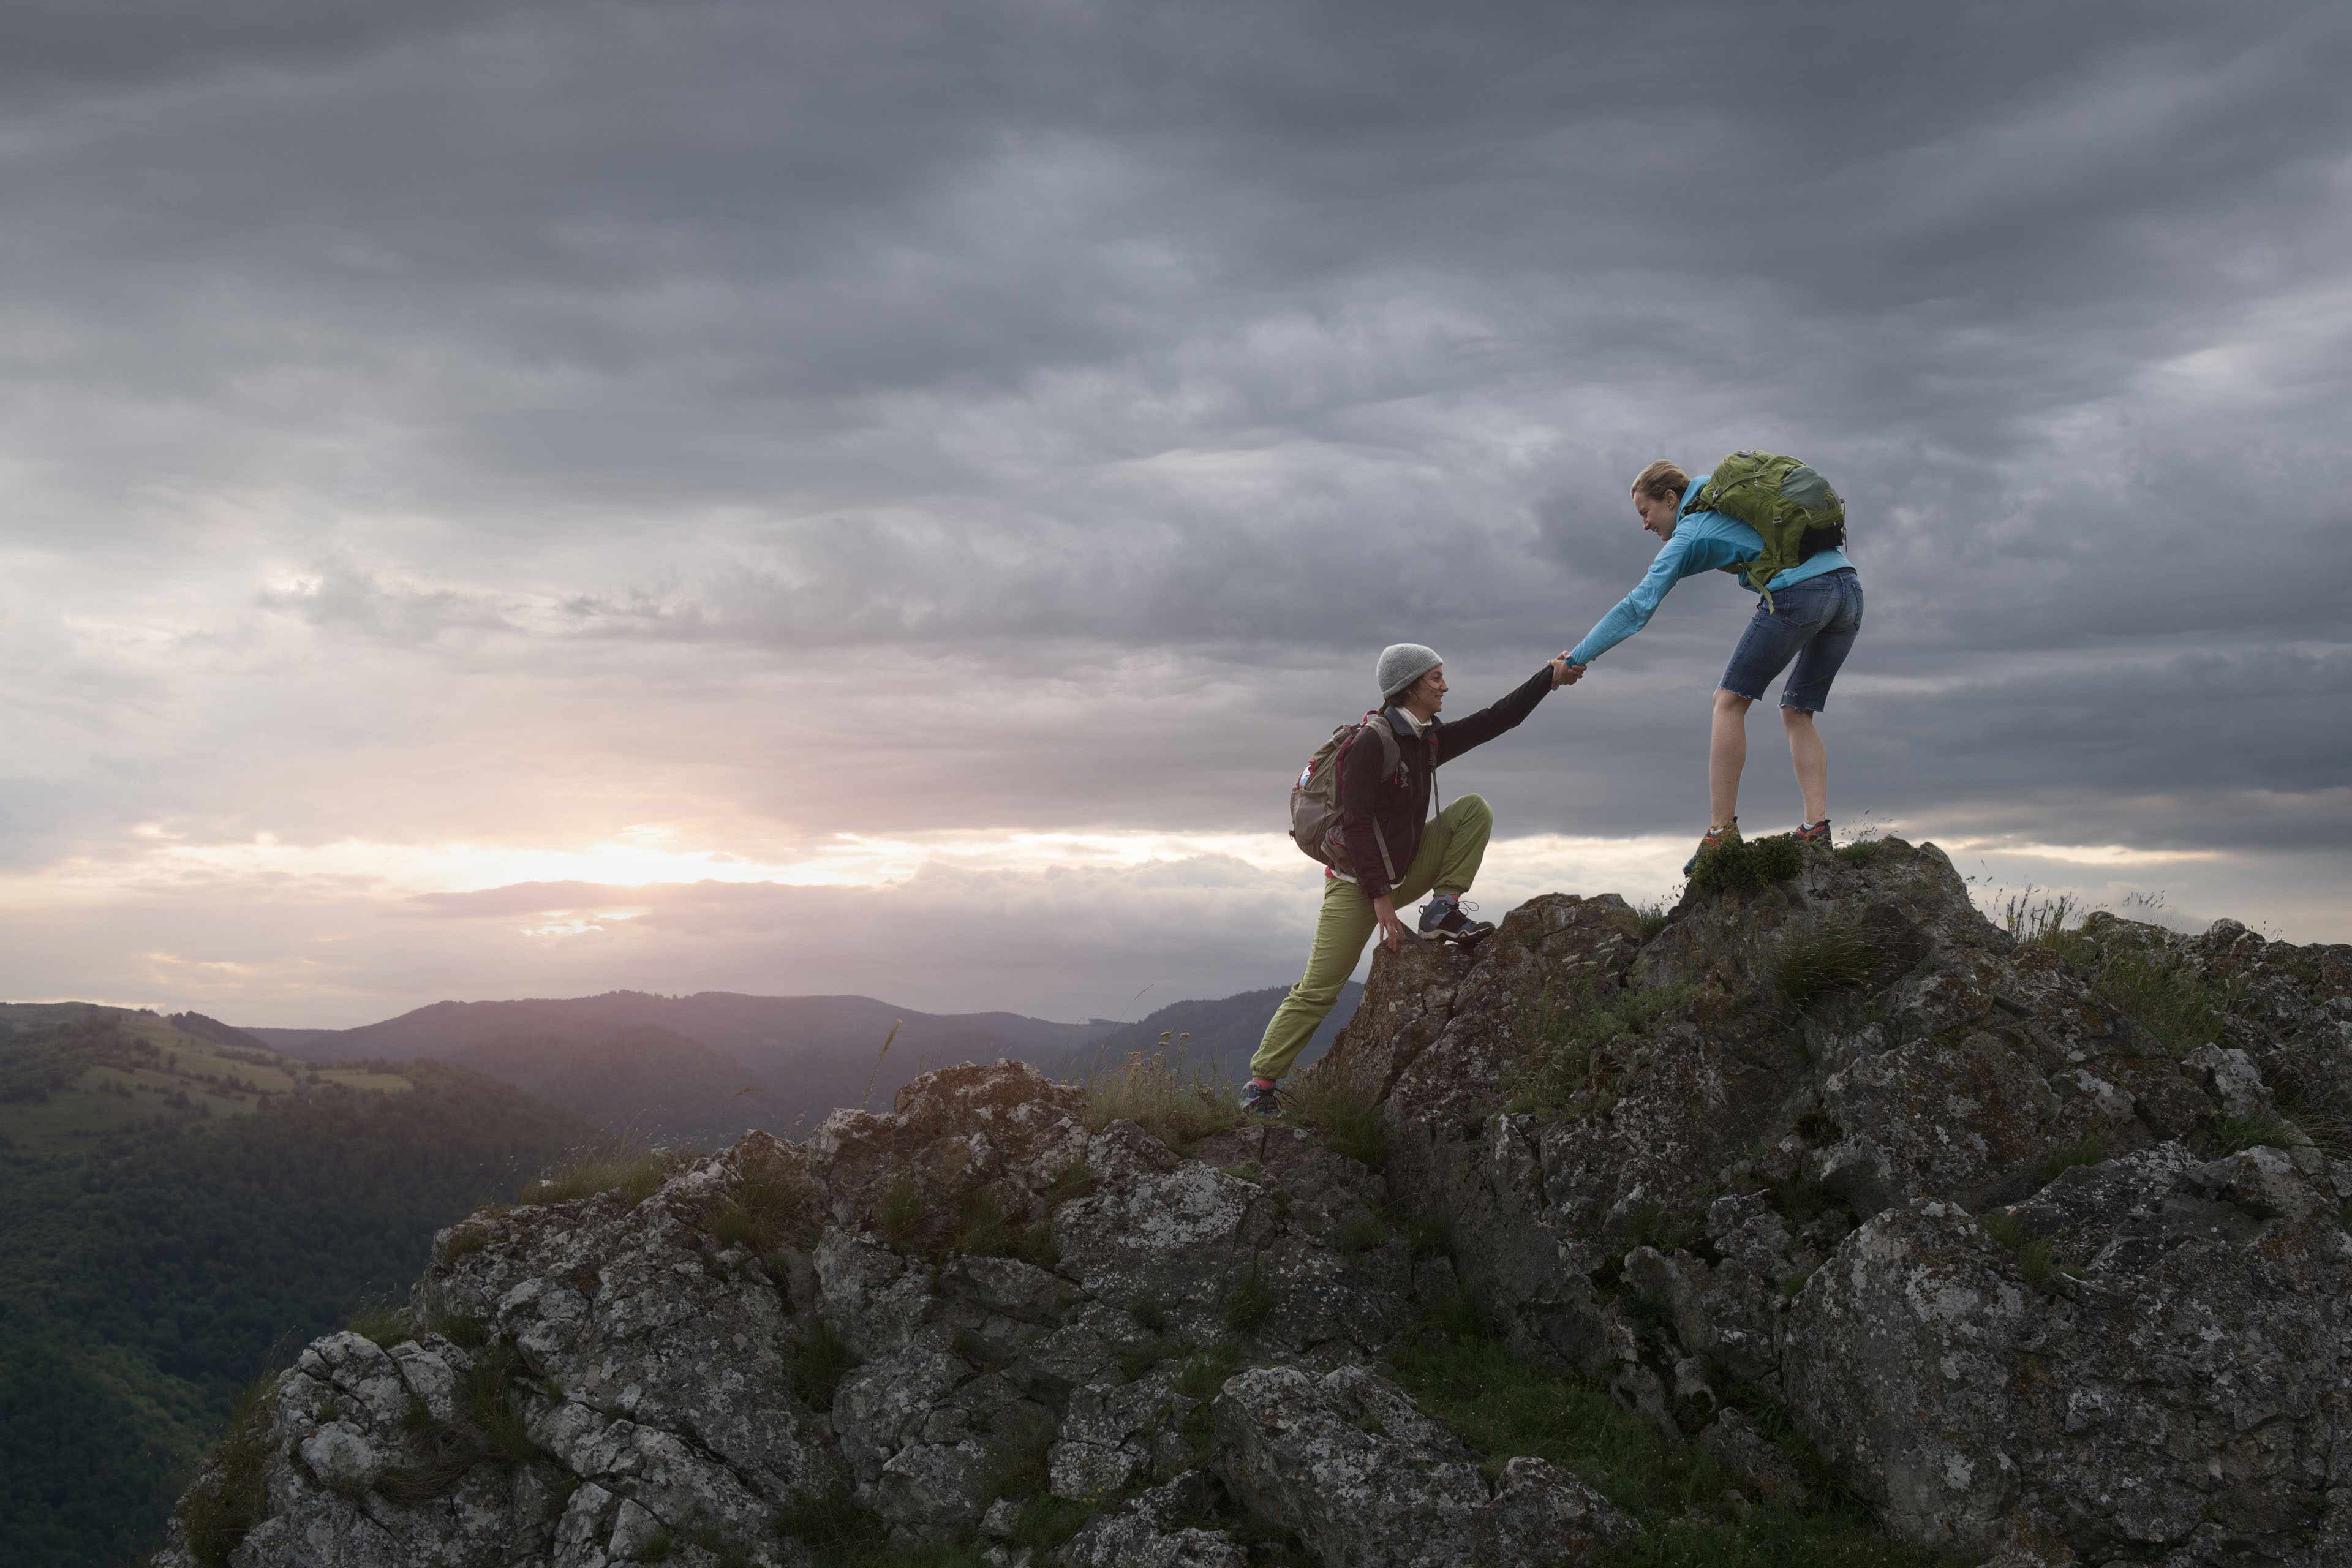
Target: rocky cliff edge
2035,1251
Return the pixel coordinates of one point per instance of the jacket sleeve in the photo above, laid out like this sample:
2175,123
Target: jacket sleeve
1452,740
1633,611
1359,798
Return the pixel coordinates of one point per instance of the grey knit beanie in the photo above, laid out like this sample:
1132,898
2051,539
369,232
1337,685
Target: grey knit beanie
1401,664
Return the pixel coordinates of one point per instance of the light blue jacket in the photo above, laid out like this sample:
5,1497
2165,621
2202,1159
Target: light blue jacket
1702,541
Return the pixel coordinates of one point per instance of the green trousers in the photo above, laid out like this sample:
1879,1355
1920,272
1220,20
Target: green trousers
1451,848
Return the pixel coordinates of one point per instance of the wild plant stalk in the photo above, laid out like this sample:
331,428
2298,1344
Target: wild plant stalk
867,1098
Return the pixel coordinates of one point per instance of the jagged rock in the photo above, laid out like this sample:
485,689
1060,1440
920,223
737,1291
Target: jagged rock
1365,1478
1748,1454
2182,1392
1837,1145
1152,1532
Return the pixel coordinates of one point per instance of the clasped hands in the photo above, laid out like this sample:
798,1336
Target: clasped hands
1566,674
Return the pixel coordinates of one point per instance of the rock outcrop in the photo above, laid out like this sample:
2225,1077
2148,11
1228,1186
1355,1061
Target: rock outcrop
2038,1249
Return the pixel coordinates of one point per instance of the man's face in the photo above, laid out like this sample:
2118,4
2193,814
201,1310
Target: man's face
1656,512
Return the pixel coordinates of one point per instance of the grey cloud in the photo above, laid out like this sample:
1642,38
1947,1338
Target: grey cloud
722,403
340,594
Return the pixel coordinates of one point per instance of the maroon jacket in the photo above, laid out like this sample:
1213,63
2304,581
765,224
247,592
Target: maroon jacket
1399,803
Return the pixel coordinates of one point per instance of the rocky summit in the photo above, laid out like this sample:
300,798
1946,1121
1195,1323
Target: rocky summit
1822,1198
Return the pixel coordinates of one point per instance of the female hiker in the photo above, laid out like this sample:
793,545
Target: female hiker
1777,526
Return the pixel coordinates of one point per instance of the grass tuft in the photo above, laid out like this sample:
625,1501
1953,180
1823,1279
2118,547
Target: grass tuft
1164,1095
1747,866
1430,1234
816,1362
386,1323
2091,1151
634,1171
1345,1108
1825,959
1206,1372
1361,1233
1565,1074
2262,1131
900,1213
765,1209
221,1509
1651,1223
1250,1296
486,1392
2036,1256
463,1330
1458,1370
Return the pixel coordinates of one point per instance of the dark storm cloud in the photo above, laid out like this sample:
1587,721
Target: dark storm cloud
535,383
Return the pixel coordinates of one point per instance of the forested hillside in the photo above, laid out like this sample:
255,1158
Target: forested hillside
156,1251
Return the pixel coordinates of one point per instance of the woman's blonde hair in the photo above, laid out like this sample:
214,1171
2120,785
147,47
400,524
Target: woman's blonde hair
1662,480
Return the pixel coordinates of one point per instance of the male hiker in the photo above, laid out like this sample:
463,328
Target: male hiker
1808,609
1389,851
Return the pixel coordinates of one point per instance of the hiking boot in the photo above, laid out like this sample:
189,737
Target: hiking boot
1261,1098
1444,917
1716,838
1816,832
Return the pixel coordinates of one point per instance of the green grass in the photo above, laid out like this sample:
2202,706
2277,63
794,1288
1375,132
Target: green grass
1149,1308
900,1214
2036,1256
463,1330
486,1394
2263,1131
1361,1233
1861,852
1430,1234
1814,962
1504,1406
1249,1297
1345,1108
1800,1199
2180,1008
1206,1372
2090,1151
1651,1223
386,1323
634,1171
1071,1184
1747,866
1653,917
1140,1357
816,1362
767,1208
1165,1095
222,1509
1561,1075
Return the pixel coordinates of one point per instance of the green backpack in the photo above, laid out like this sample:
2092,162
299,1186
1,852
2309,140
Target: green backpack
1788,503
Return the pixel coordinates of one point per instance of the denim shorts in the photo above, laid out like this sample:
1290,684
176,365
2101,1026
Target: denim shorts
1812,622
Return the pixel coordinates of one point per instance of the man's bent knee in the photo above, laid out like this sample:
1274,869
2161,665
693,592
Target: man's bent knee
1729,701
1473,808
1312,993
1796,718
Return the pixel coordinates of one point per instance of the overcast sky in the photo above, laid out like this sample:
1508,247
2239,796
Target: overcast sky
535,499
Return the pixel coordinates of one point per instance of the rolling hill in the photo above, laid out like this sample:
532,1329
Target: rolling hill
172,1205
801,1055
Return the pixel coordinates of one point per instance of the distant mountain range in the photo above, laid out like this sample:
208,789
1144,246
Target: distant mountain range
1215,1039
708,1066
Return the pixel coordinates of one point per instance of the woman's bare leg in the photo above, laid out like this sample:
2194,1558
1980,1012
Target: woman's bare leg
1812,760
1726,754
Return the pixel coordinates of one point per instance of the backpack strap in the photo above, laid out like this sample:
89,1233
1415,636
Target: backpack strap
1377,725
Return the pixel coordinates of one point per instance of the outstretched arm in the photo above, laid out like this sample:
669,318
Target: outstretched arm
1457,736
1633,611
